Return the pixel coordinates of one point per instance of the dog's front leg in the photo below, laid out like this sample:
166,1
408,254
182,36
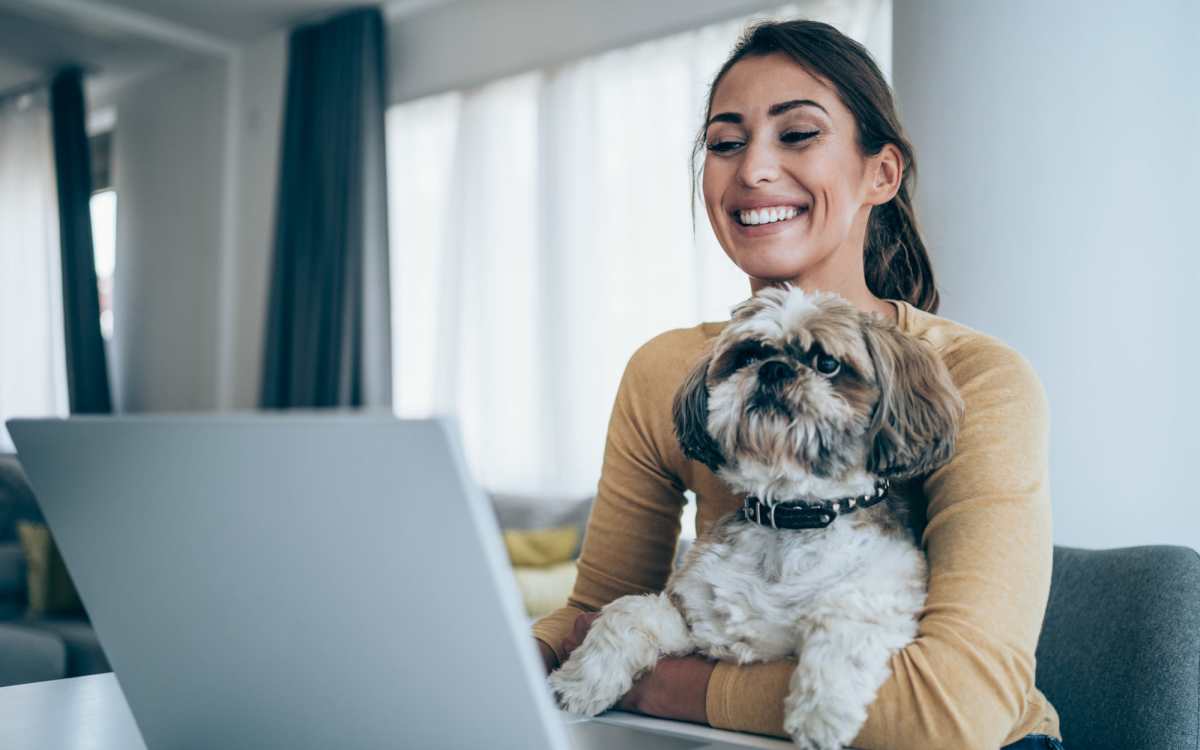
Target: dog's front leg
627,639
840,667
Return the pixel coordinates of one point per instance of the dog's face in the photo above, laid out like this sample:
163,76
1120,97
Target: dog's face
802,384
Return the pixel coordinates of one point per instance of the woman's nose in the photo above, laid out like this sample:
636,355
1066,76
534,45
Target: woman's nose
759,163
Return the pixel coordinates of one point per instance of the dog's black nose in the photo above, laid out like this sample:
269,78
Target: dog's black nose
775,372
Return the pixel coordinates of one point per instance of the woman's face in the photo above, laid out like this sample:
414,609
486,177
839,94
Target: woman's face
780,139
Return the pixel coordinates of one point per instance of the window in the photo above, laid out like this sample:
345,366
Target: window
103,205
104,236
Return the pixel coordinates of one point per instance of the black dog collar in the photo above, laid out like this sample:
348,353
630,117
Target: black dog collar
801,514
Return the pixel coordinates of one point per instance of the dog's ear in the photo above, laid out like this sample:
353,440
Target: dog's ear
916,420
690,411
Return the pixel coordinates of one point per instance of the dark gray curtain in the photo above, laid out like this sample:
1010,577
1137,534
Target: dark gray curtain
328,322
87,369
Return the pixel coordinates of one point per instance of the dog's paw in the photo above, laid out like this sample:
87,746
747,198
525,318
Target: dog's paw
585,687
826,726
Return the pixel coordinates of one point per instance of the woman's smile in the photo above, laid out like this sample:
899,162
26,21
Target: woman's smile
769,221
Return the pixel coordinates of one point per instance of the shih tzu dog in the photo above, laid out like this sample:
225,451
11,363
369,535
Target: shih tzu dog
808,408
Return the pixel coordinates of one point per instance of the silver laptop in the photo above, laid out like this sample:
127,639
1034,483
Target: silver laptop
305,581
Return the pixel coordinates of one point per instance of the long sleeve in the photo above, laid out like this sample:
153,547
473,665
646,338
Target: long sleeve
629,543
967,681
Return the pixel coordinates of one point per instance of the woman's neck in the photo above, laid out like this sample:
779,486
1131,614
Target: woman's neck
859,296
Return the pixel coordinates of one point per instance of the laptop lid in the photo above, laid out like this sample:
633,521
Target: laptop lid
302,580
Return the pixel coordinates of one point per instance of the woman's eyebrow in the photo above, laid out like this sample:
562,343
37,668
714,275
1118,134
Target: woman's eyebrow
776,109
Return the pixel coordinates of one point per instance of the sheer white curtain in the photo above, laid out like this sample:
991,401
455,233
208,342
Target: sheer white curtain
542,230
33,373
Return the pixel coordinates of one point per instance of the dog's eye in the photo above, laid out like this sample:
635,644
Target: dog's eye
749,354
826,365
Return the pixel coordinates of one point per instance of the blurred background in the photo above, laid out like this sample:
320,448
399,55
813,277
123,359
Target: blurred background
482,207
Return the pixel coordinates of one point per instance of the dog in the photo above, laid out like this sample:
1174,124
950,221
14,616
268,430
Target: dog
810,409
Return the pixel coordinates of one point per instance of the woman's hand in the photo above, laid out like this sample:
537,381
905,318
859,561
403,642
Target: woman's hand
675,689
549,658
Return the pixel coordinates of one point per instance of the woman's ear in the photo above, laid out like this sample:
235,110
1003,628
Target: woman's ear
690,411
916,420
886,173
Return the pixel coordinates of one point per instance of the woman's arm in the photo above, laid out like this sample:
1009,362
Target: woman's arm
966,681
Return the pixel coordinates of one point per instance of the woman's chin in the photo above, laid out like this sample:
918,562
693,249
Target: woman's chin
777,265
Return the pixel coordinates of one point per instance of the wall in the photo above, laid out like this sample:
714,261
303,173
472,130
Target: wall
195,153
260,88
1057,180
169,238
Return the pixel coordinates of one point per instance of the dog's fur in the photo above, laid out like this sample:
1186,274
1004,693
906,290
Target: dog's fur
840,599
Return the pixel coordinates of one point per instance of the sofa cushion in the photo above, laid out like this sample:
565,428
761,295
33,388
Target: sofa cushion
17,502
540,547
30,655
82,648
543,512
51,590
546,588
12,571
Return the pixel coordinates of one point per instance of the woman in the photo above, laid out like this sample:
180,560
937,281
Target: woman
807,178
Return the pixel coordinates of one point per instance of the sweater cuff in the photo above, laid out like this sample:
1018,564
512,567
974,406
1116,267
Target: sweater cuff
552,628
749,698
714,699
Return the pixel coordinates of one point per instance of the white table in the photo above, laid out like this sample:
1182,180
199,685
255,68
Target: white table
90,713
79,713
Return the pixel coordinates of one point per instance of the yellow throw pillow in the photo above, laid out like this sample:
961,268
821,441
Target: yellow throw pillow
545,589
539,547
50,588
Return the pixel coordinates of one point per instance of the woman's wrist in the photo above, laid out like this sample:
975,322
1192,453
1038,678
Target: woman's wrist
677,688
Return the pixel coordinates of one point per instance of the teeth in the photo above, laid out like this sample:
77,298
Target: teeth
767,215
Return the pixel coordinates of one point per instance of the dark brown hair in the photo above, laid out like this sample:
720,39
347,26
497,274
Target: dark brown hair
895,261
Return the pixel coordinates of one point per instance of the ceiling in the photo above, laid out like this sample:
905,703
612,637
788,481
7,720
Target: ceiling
117,39
35,41
233,20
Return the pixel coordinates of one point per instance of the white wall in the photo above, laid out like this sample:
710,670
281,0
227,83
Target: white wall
195,153
260,93
1058,167
169,238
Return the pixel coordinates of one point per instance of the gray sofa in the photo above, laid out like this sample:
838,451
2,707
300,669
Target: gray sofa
32,648
1119,651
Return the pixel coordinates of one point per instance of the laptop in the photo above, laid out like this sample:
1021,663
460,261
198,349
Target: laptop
306,580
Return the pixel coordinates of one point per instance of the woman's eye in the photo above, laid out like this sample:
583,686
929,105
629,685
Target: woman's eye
722,147
792,136
826,365
798,136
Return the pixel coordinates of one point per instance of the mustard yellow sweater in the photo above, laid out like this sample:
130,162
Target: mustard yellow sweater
967,681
